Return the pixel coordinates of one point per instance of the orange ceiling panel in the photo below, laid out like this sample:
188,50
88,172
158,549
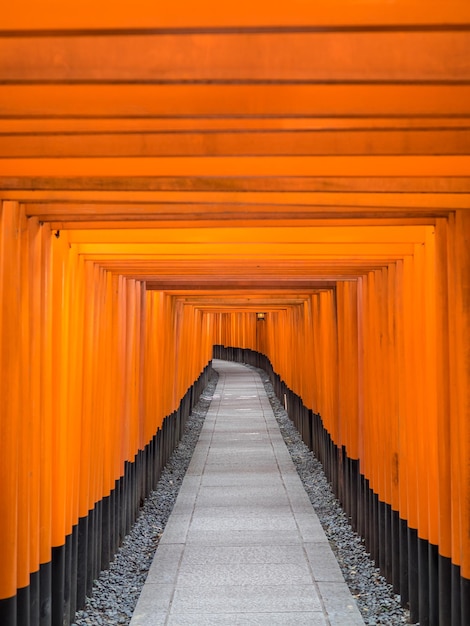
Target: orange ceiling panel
233,100
49,15
302,142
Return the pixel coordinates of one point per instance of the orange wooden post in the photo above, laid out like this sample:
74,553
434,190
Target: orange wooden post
35,331
443,431
402,470
370,435
308,352
153,362
393,383
25,417
348,392
346,362
10,311
360,371
430,468
86,482
375,392
130,355
98,390
425,447
116,379
316,355
411,427
332,363
463,312
75,402
394,426
107,385
365,352
401,466
59,392
460,429
46,421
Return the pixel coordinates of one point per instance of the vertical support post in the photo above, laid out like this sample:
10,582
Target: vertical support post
10,415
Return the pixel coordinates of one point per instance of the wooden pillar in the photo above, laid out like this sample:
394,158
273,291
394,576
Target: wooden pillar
10,360
459,311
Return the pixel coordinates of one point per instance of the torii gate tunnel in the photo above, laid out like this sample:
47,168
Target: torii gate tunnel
287,181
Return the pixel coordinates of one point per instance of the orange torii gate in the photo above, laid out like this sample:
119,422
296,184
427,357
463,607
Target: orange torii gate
169,172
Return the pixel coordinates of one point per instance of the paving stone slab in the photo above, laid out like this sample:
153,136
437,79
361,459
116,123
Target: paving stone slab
228,479
210,555
253,574
245,598
279,523
324,566
339,604
239,512
247,619
166,564
241,496
176,529
236,537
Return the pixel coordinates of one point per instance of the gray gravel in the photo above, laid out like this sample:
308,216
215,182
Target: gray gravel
116,592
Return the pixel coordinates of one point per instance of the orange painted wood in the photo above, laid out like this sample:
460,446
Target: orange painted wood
357,142
178,189
109,101
45,447
267,166
431,415
459,371
51,14
170,124
346,294
463,312
59,355
35,388
249,56
443,341
392,382
28,523
10,424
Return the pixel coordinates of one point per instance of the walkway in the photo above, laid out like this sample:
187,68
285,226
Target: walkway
243,544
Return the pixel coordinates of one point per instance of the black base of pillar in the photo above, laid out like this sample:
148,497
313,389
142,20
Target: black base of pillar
34,594
23,598
74,572
82,561
413,574
8,608
433,565
68,579
423,582
456,616
395,539
106,533
404,586
58,585
45,591
465,599
445,590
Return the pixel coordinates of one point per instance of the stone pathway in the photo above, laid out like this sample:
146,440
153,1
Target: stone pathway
243,544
